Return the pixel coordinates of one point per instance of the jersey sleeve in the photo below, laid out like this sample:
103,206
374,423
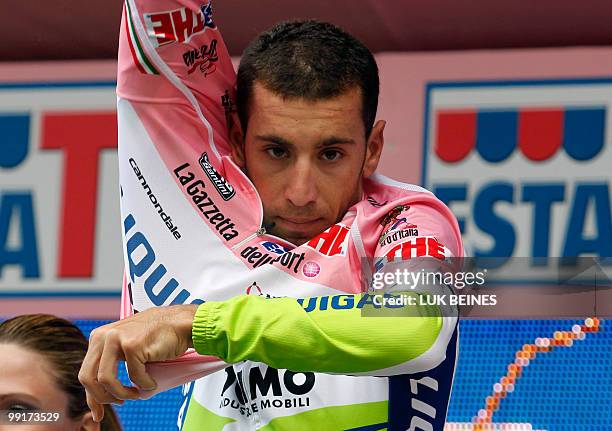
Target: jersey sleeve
172,373
175,72
343,334
175,84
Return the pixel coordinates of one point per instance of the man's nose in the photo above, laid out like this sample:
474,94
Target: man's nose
301,187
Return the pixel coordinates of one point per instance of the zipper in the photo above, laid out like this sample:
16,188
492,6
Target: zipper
261,231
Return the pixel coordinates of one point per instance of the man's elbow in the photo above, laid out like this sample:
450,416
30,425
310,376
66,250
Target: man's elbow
437,350
427,347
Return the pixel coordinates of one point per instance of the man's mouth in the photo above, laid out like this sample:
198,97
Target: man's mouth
299,224
298,220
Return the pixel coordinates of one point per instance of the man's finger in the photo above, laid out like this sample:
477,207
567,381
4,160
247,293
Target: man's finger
107,370
96,393
137,371
97,410
88,375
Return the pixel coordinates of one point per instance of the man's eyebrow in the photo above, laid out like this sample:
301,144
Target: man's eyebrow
274,139
336,140
327,142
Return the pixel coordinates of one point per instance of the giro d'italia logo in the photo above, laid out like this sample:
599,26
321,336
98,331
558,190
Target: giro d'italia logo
311,269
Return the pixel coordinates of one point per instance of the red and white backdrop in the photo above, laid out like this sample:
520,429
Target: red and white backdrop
517,142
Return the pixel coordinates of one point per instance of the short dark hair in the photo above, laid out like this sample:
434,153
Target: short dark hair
311,60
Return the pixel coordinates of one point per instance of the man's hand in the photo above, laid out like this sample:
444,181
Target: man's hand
157,334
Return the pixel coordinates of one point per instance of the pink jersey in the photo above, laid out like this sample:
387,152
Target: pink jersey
192,220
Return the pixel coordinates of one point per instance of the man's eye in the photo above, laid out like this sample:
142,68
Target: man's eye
331,155
276,152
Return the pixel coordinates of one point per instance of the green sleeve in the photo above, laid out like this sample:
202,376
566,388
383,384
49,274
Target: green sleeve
344,334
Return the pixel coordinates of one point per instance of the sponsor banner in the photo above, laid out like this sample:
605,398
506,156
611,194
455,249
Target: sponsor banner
35,239
59,195
59,202
525,167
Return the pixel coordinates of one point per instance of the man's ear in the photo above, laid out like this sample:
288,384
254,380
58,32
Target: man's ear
236,138
374,148
86,423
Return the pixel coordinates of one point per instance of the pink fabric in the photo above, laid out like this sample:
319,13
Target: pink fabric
189,367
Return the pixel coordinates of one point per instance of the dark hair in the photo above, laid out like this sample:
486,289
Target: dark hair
64,346
311,60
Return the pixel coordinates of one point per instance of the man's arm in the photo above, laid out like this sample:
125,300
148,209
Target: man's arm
344,334
333,338
175,81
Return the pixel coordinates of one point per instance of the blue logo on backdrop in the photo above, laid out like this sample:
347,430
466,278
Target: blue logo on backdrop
524,174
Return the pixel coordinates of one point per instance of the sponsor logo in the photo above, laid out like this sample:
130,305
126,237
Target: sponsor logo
375,203
195,188
394,236
256,258
525,172
143,263
178,25
267,389
422,246
274,247
203,58
345,302
332,241
206,10
311,269
154,201
392,215
223,187
254,289
402,223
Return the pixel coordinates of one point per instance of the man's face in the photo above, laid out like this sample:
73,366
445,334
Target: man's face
306,159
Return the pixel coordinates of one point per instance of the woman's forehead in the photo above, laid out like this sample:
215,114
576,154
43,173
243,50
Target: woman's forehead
27,372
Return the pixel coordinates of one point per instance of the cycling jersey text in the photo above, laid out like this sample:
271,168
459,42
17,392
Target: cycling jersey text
347,302
195,189
155,201
266,390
